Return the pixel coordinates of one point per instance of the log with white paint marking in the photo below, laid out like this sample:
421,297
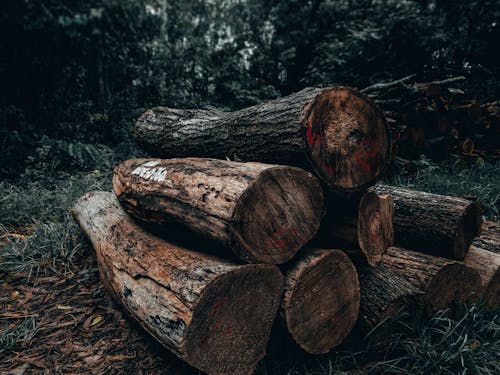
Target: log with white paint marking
213,314
263,213
336,132
321,300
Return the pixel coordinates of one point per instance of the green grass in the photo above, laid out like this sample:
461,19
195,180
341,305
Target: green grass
482,181
39,236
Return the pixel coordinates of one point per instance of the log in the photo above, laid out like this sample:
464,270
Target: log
439,224
490,237
487,264
363,229
321,300
443,281
213,314
384,294
336,132
263,213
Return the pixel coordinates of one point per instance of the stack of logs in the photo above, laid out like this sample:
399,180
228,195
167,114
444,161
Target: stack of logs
205,252
437,120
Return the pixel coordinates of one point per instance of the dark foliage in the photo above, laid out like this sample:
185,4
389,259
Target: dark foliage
78,73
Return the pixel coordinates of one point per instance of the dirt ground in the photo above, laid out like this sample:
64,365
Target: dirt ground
78,328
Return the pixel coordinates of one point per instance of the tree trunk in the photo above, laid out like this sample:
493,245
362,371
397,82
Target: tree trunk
484,256
213,314
384,294
489,239
321,301
336,132
365,229
442,280
439,224
263,213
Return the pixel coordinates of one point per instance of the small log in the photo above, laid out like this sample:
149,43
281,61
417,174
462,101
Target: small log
321,300
443,281
263,213
487,264
213,314
385,293
365,228
338,133
490,237
439,224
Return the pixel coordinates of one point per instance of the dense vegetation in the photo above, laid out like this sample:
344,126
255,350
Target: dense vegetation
75,76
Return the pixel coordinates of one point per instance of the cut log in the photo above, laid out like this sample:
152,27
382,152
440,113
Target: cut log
336,132
364,229
263,213
443,281
213,314
487,264
490,237
321,300
385,293
439,224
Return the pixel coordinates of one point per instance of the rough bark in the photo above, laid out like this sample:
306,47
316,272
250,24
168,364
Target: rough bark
321,300
263,213
364,228
487,264
489,239
443,281
385,293
213,314
336,132
439,224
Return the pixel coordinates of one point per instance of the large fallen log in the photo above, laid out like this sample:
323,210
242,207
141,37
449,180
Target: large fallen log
336,132
489,238
363,228
213,314
439,224
321,300
443,281
263,213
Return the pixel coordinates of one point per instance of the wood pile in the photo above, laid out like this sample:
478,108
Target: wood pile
206,253
438,120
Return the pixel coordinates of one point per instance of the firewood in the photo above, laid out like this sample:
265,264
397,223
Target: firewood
213,314
443,281
364,229
321,300
490,237
439,224
336,132
263,213
384,294
487,265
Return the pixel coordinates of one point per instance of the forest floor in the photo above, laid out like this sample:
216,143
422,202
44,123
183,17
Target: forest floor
56,318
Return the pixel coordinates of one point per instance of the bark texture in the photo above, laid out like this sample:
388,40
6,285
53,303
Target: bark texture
213,314
263,213
365,227
443,281
384,294
439,224
484,256
336,132
321,301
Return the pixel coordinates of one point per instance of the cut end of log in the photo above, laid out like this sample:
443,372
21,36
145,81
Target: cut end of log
235,312
467,228
321,302
375,225
347,139
277,215
455,282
